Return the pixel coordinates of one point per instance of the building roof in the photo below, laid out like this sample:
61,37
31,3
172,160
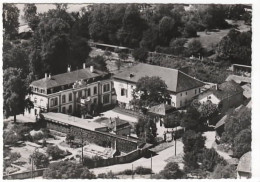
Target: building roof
221,122
67,78
161,109
239,79
244,164
176,80
223,90
74,121
247,91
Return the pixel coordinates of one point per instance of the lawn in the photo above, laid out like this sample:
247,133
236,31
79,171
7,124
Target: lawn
211,38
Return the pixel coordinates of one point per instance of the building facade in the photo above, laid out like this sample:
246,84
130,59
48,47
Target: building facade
226,95
181,86
65,92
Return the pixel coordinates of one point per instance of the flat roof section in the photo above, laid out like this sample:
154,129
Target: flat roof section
74,121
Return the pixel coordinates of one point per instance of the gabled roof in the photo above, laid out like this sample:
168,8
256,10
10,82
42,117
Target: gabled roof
223,90
175,80
67,78
244,164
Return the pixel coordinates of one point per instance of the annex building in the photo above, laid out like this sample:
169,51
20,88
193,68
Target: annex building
181,86
67,92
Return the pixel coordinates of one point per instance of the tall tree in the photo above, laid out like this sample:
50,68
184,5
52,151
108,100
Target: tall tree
10,20
30,15
14,92
132,28
146,129
150,91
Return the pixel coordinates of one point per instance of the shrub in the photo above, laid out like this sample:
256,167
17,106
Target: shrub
142,170
38,136
171,171
127,172
109,175
40,160
55,152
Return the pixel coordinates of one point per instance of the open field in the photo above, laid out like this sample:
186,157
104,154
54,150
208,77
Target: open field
212,38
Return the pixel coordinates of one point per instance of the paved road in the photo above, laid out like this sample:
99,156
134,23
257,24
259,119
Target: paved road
158,161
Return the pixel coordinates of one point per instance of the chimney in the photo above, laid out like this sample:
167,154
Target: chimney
46,76
91,69
50,76
84,65
69,68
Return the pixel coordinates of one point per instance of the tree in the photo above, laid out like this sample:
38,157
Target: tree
146,129
98,62
235,47
10,20
193,142
177,46
70,137
190,30
40,160
224,171
209,159
14,92
150,91
167,30
236,121
30,15
191,120
242,143
172,120
140,54
67,170
55,152
171,171
195,48
150,38
130,34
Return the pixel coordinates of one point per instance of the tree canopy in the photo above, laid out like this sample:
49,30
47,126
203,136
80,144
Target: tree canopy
150,91
146,129
10,20
67,170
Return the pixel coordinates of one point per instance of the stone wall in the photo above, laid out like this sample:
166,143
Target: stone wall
100,138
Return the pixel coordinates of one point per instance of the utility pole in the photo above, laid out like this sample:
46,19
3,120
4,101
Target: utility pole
151,165
81,146
132,171
175,140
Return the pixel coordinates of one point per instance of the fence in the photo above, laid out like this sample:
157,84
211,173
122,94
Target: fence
25,175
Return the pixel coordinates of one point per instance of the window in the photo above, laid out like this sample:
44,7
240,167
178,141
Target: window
180,103
181,94
186,93
123,92
209,97
106,99
63,98
89,92
195,91
95,90
199,90
55,101
35,100
64,110
70,109
106,87
70,97
79,94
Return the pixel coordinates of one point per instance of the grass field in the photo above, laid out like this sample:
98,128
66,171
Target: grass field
211,38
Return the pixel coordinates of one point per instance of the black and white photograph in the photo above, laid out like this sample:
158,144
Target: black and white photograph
127,90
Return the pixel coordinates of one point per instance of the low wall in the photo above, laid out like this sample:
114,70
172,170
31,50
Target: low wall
97,137
130,157
25,175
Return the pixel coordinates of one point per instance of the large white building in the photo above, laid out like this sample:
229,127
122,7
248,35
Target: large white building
181,86
64,92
